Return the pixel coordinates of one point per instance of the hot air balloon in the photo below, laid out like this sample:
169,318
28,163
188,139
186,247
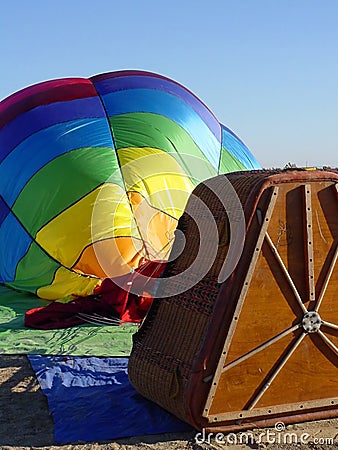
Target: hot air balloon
95,173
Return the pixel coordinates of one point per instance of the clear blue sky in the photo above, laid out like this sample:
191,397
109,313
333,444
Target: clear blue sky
268,69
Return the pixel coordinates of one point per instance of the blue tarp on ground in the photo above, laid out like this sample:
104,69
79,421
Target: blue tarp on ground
91,399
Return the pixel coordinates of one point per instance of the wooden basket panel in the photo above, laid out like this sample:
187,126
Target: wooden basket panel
281,353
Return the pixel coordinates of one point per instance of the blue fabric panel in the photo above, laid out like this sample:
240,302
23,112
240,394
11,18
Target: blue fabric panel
159,83
170,106
91,399
235,146
227,130
18,239
46,145
45,116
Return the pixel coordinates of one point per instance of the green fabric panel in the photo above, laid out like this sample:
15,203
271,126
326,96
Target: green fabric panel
83,340
229,163
153,130
36,261
62,182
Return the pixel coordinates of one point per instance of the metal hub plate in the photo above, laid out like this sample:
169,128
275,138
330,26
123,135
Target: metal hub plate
311,322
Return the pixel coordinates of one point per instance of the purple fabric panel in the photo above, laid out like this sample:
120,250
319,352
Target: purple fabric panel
43,94
4,210
124,73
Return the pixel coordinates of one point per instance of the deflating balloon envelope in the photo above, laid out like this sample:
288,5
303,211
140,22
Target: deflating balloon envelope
95,173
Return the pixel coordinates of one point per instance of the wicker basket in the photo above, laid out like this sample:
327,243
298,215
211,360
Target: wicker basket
260,343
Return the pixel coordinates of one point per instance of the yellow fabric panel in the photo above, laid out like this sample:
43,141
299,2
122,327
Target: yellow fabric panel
157,176
81,237
67,283
111,257
114,257
156,228
102,214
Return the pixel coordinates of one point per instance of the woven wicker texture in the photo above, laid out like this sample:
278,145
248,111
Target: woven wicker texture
169,342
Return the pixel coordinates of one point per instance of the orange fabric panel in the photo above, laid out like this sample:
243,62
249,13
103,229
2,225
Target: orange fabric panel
110,257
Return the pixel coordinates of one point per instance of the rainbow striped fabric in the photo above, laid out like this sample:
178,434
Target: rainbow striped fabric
95,173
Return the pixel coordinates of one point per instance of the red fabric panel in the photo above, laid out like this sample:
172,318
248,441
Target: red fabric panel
108,300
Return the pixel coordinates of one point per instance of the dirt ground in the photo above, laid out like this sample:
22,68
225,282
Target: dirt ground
25,423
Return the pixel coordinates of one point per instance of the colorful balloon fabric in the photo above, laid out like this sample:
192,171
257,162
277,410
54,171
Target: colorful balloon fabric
95,173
